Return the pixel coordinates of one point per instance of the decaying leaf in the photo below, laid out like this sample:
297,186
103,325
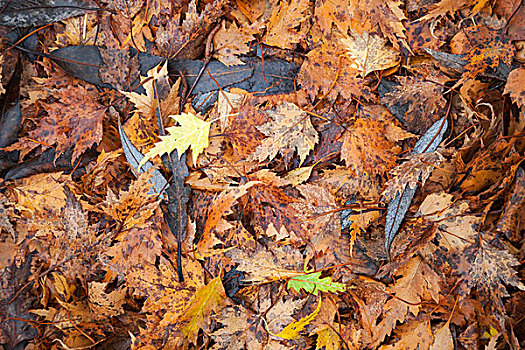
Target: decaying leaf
290,130
282,28
369,53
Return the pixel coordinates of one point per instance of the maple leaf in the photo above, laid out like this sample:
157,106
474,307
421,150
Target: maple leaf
167,298
320,218
369,53
193,132
368,145
73,121
413,336
129,8
488,269
230,43
489,49
268,206
329,12
221,206
417,169
133,207
106,304
242,129
155,80
388,16
423,98
78,30
42,192
281,28
418,282
208,299
289,130
263,266
514,86
329,71
242,330
292,330
445,7
311,283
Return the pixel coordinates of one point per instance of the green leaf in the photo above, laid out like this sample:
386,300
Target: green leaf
312,284
192,132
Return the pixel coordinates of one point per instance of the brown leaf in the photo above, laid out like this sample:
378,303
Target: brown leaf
221,206
488,270
515,86
281,30
417,169
229,43
325,66
418,283
268,205
290,130
425,100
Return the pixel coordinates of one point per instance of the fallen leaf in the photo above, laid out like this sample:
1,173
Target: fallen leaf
369,53
290,130
193,132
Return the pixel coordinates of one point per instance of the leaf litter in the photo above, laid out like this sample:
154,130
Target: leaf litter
340,175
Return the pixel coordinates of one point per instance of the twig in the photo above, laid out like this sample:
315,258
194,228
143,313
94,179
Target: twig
207,58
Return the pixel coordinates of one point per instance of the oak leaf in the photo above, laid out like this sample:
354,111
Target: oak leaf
290,129
311,283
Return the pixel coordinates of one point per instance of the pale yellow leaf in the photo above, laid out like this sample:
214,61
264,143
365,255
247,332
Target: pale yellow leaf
299,175
192,132
369,52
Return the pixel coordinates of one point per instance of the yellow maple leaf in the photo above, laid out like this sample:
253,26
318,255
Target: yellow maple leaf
369,52
207,299
192,132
